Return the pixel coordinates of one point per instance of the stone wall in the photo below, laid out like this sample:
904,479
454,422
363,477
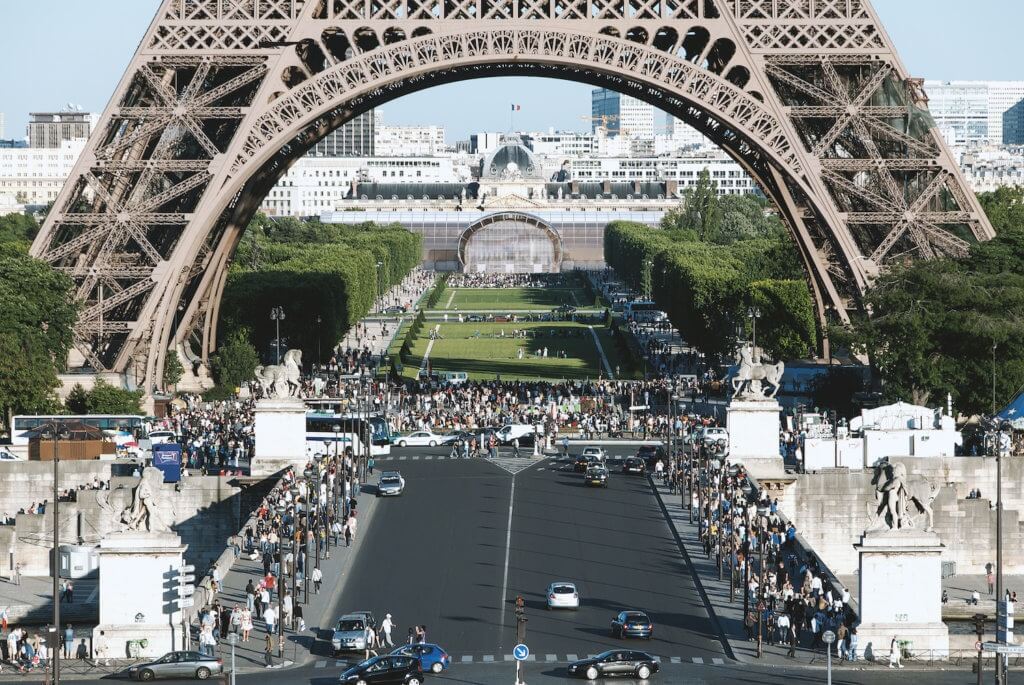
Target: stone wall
832,508
23,483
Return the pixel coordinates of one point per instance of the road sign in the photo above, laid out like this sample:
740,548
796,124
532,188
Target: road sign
186,590
521,652
829,637
977,645
1003,649
188,568
185,602
187,578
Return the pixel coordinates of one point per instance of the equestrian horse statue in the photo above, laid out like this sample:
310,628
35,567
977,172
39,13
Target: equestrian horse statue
752,375
281,380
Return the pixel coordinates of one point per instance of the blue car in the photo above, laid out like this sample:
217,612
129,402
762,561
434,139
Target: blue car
632,624
432,657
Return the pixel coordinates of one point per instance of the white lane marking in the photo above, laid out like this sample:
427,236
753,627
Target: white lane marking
698,660
415,457
571,657
430,346
508,549
321,664
718,662
467,659
550,657
541,469
509,657
488,658
428,457
675,660
600,351
450,298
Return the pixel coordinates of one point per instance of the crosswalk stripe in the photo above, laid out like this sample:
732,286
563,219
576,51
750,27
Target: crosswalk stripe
402,458
571,657
322,663
657,659
509,657
550,657
717,661
340,664
675,660
698,660
488,658
467,659
415,457
428,457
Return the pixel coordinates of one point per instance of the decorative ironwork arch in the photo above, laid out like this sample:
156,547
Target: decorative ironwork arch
517,217
222,95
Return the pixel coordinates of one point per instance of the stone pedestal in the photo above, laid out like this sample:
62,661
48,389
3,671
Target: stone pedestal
753,427
138,586
901,593
280,429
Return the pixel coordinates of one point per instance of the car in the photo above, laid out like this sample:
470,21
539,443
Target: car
632,623
634,465
391,484
458,437
583,462
178,665
475,318
394,309
596,452
350,632
596,476
710,434
420,439
615,662
432,657
650,454
511,431
563,595
389,669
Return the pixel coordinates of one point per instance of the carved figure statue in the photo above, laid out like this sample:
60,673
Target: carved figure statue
141,512
748,383
895,492
281,380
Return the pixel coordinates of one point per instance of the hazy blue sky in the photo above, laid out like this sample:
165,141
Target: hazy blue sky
59,51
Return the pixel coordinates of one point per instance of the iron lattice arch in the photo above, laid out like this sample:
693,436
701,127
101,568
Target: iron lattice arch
222,95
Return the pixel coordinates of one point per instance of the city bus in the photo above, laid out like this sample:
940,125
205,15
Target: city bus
352,431
125,428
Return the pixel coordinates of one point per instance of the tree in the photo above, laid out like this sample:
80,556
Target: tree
701,210
104,398
235,361
173,370
77,401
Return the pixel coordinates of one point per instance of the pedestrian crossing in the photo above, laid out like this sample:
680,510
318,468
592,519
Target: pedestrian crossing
511,464
545,658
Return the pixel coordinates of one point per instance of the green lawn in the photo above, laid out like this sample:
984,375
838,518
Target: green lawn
511,299
483,357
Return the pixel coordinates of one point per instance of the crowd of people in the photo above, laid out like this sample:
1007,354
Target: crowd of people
215,436
491,280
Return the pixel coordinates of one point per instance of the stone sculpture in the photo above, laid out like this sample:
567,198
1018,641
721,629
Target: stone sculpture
749,381
281,380
141,512
895,492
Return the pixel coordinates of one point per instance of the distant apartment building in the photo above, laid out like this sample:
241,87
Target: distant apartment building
52,129
354,139
970,113
562,143
621,114
1013,125
681,172
35,175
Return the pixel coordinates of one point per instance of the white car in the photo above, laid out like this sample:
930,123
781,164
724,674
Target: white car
162,437
420,439
714,434
596,452
563,595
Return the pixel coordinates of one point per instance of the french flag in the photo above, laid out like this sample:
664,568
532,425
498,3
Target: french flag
516,108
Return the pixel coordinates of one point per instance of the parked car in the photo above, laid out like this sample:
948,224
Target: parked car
563,595
632,624
391,484
388,669
432,657
178,665
510,431
712,434
616,662
596,476
650,454
475,318
394,309
420,439
634,465
350,633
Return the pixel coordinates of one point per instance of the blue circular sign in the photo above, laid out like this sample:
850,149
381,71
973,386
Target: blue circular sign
521,652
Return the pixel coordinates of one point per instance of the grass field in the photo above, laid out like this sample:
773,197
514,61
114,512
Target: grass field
490,354
511,299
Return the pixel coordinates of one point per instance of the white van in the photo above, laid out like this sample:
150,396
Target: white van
453,377
511,431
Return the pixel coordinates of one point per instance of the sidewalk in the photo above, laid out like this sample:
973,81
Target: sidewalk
31,602
300,648
725,614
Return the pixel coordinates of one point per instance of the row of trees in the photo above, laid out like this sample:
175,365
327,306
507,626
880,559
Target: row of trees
713,259
325,276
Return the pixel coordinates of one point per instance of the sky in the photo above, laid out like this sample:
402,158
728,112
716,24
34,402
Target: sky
56,52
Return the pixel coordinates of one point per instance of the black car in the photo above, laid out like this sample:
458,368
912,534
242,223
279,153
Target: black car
650,454
616,662
632,624
583,462
596,476
634,465
389,668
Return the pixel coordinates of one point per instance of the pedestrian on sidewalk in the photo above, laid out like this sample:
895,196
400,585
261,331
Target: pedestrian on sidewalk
99,648
270,619
286,609
991,580
83,650
853,644
298,617
894,653
317,577
268,651
246,624
386,626
69,640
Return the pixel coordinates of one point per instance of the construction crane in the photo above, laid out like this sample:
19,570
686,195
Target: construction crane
603,119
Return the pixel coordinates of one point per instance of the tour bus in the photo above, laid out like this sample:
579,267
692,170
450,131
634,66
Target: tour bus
125,428
352,430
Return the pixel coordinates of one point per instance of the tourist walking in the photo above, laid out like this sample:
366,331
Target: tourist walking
386,626
268,652
894,653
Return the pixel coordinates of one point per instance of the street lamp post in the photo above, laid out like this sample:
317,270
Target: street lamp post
754,313
1001,615
319,359
277,316
829,637
57,432
233,640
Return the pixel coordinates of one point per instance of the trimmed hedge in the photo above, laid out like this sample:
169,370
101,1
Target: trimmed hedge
439,288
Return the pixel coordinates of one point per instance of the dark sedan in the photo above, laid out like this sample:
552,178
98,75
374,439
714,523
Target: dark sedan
634,465
583,462
392,669
632,624
596,476
617,662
